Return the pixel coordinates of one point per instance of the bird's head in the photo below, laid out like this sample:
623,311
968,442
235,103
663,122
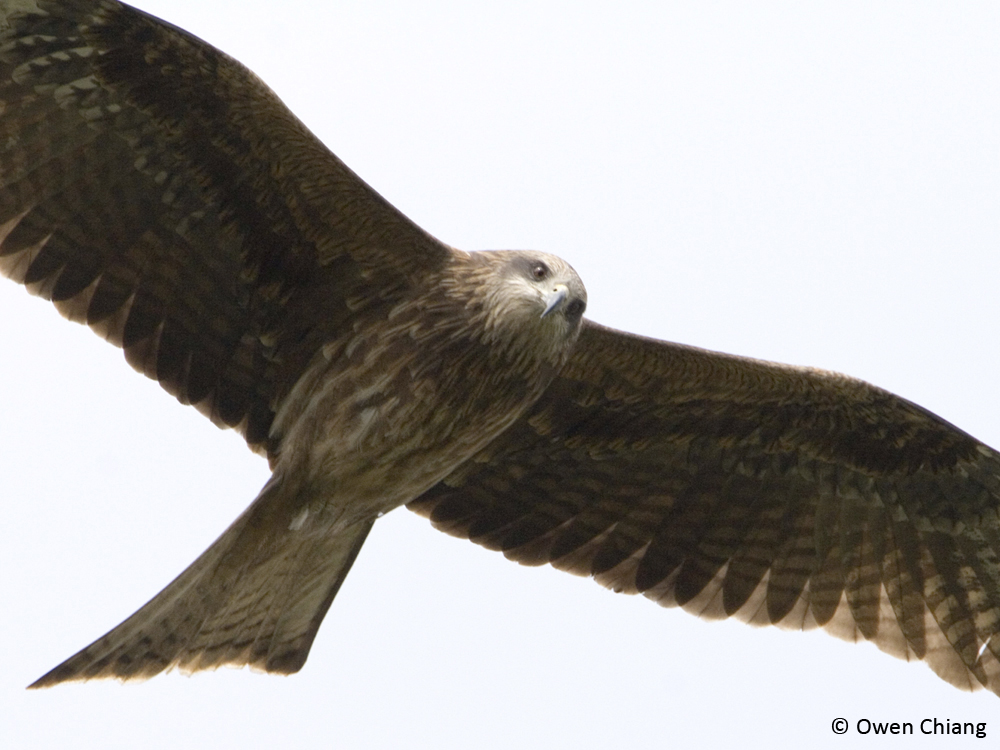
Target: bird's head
534,301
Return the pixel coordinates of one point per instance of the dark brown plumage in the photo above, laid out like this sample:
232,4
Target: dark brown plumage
172,203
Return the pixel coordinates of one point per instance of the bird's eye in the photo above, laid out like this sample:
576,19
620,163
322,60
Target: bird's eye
539,271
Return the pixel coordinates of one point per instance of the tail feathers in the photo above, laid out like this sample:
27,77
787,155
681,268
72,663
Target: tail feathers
255,597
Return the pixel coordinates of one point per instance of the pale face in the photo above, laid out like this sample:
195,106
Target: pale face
535,303
548,287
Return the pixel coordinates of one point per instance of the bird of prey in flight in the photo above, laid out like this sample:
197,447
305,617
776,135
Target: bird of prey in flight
157,191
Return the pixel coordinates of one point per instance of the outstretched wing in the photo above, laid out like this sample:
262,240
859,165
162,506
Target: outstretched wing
734,487
155,189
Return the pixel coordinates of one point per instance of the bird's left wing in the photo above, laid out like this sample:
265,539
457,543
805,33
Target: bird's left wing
734,487
156,190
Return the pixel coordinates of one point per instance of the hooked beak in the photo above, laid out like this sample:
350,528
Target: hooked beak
554,298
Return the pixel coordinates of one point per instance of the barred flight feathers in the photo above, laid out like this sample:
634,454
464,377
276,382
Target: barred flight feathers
128,149
734,487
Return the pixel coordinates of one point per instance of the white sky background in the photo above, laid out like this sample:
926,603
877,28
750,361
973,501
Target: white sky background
809,183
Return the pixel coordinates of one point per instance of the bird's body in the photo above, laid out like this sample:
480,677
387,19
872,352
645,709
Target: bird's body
387,411
155,190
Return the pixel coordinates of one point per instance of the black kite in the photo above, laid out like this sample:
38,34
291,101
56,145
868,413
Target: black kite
154,189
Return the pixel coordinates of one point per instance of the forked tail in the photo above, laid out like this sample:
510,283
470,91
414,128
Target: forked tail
255,597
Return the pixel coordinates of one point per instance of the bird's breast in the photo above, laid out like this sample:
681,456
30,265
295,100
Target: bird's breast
383,415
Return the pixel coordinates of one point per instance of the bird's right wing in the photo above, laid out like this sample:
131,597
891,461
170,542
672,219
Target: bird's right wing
734,487
156,190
